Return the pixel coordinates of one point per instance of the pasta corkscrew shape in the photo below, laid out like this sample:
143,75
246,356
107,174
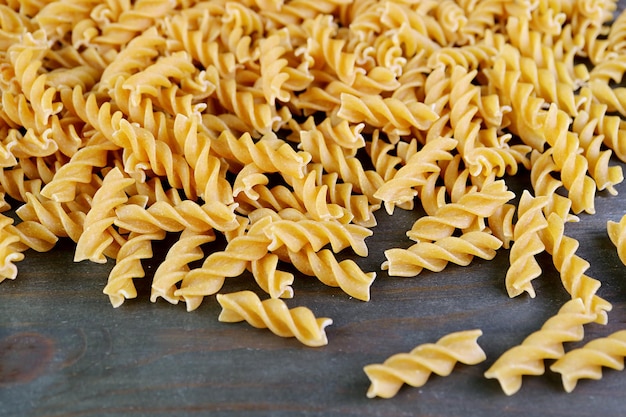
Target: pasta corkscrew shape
273,314
414,368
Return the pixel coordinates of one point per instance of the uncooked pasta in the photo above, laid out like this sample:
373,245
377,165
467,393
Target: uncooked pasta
282,127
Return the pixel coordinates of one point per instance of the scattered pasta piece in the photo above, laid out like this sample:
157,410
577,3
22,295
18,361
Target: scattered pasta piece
273,314
617,234
587,361
279,128
528,357
414,368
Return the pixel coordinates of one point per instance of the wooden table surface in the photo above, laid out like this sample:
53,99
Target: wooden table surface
65,351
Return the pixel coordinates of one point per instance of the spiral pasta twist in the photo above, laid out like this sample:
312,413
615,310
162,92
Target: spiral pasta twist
315,199
323,264
617,234
269,153
572,166
588,361
605,176
391,115
240,251
414,368
143,152
326,50
572,268
208,169
139,17
60,219
120,285
175,266
79,169
342,194
434,256
471,208
273,314
527,243
186,214
97,233
271,280
406,182
349,168
27,61
297,234
9,249
15,183
158,76
528,357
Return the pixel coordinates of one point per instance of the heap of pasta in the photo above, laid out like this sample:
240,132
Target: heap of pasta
283,126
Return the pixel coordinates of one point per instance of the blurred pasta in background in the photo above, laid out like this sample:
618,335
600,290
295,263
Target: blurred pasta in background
283,127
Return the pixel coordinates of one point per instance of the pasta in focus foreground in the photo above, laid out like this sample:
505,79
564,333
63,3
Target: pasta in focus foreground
284,126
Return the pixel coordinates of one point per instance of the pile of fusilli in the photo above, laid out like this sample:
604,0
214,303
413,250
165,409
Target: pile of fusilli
283,126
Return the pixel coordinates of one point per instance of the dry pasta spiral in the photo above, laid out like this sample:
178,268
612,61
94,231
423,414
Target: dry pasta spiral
471,209
572,268
588,361
415,367
273,314
528,357
617,234
527,243
434,256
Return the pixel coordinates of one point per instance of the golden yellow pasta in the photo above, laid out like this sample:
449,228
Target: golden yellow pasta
587,361
617,234
415,367
281,128
298,322
528,357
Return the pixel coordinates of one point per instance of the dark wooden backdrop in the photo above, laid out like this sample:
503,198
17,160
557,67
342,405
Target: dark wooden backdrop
64,351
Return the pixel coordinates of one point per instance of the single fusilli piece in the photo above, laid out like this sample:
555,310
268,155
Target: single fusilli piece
527,243
175,266
471,209
295,234
240,251
587,361
9,249
572,268
128,266
323,264
98,233
528,357
273,314
408,180
78,169
434,256
271,280
617,234
414,368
